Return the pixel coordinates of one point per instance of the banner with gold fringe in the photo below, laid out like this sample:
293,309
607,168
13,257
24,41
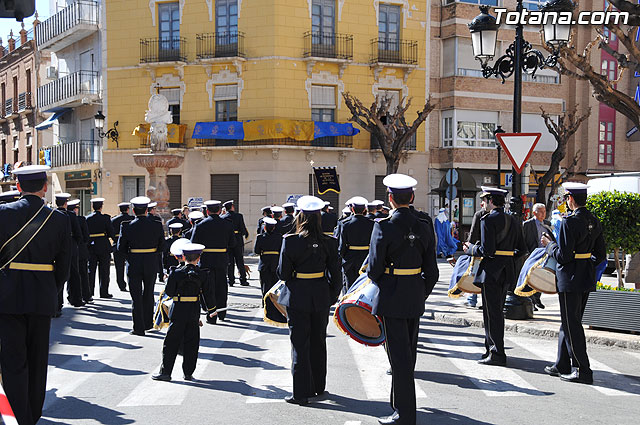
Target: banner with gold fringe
278,129
327,179
175,132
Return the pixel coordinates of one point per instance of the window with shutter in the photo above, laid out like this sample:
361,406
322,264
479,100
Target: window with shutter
380,190
175,191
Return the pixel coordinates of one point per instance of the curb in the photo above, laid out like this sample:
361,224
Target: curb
521,328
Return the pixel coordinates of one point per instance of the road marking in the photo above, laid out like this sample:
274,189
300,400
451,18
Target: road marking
494,381
273,381
353,423
547,350
372,364
636,355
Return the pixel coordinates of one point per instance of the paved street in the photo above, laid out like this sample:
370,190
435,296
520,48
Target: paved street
100,374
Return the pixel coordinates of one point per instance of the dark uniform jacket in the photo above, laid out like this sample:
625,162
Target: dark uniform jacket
239,228
185,224
116,222
76,233
168,259
329,222
260,226
305,255
423,216
530,231
34,292
83,247
188,281
100,225
214,233
141,233
268,242
493,238
355,232
402,296
580,233
286,223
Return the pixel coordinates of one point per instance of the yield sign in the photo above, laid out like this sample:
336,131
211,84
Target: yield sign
518,147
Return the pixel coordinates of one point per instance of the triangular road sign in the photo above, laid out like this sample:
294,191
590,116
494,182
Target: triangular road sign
518,147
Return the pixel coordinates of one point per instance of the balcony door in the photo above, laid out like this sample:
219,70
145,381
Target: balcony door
169,31
389,33
323,25
88,148
87,77
226,28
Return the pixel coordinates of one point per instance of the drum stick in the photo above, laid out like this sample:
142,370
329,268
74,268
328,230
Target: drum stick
215,313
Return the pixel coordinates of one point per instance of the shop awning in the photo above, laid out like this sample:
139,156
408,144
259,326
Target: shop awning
271,129
53,118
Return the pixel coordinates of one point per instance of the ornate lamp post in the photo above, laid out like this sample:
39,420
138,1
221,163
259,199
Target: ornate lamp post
519,57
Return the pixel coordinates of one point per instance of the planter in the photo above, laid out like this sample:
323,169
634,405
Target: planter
618,310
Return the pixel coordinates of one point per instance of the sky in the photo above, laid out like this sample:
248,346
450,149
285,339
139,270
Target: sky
7,24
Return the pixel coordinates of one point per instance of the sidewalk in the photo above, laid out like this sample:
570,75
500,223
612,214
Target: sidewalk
545,323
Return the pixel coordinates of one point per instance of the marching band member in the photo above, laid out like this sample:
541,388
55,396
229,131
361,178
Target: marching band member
329,220
309,266
118,258
100,231
236,253
268,246
353,240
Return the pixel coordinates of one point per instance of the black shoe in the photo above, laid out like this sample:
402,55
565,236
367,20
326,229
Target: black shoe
579,377
535,308
136,333
88,300
212,320
390,420
321,395
539,305
492,361
161,377
231,284
245,283
106,296
485,355
188,377
552,370
298,401
78,304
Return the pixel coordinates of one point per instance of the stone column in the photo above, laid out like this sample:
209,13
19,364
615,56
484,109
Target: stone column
158,166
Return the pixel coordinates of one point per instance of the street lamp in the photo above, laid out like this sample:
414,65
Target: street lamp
520,56
112,133
497,131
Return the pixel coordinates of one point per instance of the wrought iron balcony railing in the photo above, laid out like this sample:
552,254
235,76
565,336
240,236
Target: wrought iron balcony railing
154,50
220,45
390,50
74,153
336,141
67,88
24,101
8,107
77,13
328,45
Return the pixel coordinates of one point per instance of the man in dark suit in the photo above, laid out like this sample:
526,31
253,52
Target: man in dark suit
218,237
100,231
579,249
354,236
83,251
34,264
118,258
236,254
533,230
500,243
402,263
141,241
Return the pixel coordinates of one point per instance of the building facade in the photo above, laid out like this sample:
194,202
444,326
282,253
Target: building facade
71,93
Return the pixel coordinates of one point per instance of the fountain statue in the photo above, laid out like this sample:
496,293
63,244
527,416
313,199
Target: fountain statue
158,162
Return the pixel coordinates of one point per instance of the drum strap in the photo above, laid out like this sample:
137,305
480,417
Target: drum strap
18,242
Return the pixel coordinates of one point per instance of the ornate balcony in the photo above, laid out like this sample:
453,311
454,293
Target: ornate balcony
328,45
156,50
394,51
220,45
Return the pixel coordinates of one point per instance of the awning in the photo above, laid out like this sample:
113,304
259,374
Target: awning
53,118
271,129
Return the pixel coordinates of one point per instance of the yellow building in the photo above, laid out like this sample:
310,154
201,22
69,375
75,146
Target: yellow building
239,60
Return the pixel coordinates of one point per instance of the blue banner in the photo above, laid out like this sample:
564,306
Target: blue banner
329,129
230,130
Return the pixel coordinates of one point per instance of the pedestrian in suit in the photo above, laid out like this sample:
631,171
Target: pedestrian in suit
169,260
268,246
100,231
402,263
216,234
118,258
500,244
286,222
580,248
266,212
34,264
74,291
83,251
187,286
354,236
309,267
236,254
140,242
329,220
532,230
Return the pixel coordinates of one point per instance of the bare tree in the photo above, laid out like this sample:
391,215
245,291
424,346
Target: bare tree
388,127
568,123
578,65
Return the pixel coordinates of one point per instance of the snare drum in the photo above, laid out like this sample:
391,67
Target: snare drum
464,273
538,274
353,314
274,313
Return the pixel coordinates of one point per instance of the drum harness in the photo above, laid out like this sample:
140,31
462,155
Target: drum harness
409,241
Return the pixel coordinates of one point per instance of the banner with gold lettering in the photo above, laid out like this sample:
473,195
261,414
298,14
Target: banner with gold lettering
278,129
327,179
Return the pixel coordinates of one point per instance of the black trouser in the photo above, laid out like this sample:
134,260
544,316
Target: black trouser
160,268
102,263
219,291
401,345
83,269
268,278
236,258
185,334
141,286
572,347
308,335
120,261
23,360
493,296
74,284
